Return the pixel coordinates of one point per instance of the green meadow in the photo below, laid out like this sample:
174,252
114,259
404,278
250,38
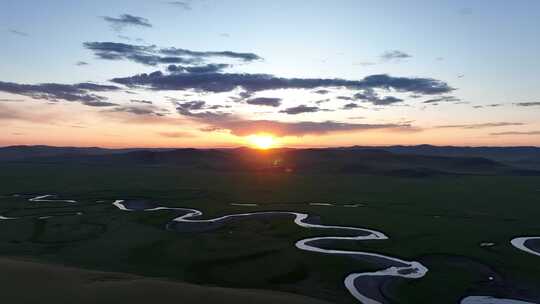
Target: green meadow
439,221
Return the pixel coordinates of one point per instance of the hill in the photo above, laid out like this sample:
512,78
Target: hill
419,161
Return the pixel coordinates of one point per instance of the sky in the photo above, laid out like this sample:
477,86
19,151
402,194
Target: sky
209,73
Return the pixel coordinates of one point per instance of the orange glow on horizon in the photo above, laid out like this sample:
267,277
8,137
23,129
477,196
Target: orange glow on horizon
262,141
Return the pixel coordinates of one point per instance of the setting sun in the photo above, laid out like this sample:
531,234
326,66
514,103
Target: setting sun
262,141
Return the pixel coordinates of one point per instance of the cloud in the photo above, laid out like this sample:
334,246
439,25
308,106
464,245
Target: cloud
18,33
226,82
89,86
241,127
369,95
126,20
515,133
481,125
322,91
345,98
124,37
198,111
10,100
178,134
181,4
322,101
190,105
187,109
208,68
97,103
265,101
527,104
138,110
152,55
242,96
81,92
147,55
300,109
428,86
229,54
442,99
394,55
236,125
141,101
493,105
350,106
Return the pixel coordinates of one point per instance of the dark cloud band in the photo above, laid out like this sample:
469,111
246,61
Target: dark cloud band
152,55
301,109
124,20
265,101
81,92
242,127
225,82
481,125
527,104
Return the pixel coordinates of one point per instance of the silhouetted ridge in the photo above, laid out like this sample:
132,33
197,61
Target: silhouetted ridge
404,161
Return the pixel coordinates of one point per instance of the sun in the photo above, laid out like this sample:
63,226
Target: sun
262,141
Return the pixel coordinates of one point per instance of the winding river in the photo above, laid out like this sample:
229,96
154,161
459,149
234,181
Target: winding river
364,286
491,300
46,199
394,267
529,244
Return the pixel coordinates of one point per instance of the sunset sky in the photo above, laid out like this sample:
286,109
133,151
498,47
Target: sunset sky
206,73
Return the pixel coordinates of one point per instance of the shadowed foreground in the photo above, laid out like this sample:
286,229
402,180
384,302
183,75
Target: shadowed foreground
31,282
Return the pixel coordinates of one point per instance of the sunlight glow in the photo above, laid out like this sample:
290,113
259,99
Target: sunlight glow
262,141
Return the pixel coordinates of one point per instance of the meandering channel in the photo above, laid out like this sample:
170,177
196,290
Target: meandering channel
529,244
46,198
490,300
394,267
43,198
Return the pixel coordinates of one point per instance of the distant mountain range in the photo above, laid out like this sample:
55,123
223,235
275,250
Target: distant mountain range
524,157
410,161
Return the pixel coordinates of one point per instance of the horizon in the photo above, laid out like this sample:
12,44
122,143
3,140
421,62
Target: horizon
158,74
270,148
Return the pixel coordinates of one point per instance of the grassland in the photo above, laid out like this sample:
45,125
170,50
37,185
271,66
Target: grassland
65,285
440,221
